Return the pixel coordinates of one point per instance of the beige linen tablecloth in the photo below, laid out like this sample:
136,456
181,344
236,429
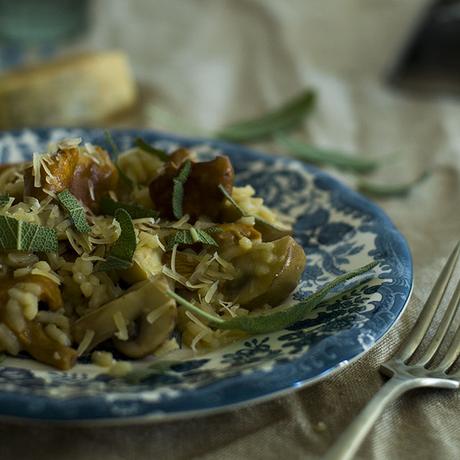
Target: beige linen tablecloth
252,54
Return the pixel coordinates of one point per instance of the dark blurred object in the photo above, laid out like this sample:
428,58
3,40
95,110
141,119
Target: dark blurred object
27,22
430,62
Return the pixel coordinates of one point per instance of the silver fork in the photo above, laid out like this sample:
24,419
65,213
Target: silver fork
405,374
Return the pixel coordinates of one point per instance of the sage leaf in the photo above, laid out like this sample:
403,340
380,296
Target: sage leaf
390,190
145,147
116,153
277,320
178,189
109,207
121,253
4,200
328,157
23,236
286,117
270,232
75,210
189,237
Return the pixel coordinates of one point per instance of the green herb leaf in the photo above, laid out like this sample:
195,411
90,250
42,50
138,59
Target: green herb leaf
270,232
4,200
288,116
277,320
189,237
160,154
23,236
178,189
2,357
329,157
76,211
214,229
116,153
121,253
390,190
109,206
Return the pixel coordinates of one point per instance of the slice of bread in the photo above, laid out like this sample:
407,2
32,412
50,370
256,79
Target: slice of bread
75,90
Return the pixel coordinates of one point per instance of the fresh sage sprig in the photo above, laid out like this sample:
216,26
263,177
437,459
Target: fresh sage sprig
190,236
328,157
23,236
178,189
145,147
277,320
390,190
121,253
270,232
116,153
75,210
286,117
109,207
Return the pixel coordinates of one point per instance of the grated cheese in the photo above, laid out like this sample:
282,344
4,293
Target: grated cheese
36,169
211,291
121,325
173,258
174,275
157,312
86,342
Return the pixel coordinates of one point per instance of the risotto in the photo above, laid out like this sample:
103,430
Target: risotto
102,256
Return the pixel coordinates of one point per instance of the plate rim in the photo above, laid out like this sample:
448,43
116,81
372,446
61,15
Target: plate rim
160,416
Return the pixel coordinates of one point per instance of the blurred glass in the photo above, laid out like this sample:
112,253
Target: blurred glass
31,30
33,22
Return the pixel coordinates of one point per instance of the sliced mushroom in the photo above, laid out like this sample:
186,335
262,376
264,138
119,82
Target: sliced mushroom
37,343
134,305
267,273
201,190
32,337
152,334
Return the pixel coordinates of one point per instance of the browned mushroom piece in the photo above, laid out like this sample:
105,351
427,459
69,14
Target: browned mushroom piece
202,196
32,337
87,177
135,306
230,234
267,273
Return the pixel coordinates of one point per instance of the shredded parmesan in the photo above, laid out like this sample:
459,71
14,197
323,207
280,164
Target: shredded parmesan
197,338
91,190
120,323
52,276
174,275
86,342
36,169
211,291
159,243
173,258
197,321
157,312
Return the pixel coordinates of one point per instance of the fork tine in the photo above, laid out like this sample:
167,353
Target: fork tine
442,328
429,309
451,354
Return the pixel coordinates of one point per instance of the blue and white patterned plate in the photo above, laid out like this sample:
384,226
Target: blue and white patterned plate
338,229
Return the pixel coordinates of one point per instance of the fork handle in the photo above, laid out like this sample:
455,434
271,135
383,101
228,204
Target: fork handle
350,440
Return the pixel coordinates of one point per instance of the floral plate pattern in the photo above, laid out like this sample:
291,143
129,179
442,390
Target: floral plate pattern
338,229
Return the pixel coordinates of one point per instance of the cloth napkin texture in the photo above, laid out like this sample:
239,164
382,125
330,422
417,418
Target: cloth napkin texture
215,61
